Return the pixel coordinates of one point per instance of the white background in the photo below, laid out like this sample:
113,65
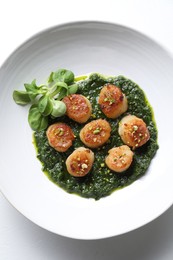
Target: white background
19,238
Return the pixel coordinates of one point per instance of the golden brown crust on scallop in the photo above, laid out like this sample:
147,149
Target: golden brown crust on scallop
60,136
78,107
95,133
133,131
119,158
80,162
112,101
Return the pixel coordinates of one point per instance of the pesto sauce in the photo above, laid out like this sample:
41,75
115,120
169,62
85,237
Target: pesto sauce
100,181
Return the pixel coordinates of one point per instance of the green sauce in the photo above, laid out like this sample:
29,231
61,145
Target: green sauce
100,181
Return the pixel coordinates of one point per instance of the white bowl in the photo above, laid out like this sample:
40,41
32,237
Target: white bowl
85,47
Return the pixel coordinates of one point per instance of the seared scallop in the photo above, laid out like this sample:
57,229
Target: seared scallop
80,162
133,131
119,158
78,107
60,136
112,101
95,133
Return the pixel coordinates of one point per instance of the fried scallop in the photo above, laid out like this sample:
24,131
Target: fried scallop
119,158
95,133
60,136
133,131
78,107
80,162
112,101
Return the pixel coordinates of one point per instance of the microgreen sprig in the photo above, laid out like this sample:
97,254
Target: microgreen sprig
46,99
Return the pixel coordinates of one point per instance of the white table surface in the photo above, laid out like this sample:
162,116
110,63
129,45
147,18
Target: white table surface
21,239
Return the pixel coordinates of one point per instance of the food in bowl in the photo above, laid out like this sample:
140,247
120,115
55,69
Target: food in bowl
93,134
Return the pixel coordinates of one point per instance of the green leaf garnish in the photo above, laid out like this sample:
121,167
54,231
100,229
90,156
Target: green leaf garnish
45,105
21,97
46,99
36,119
62,75
72,89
